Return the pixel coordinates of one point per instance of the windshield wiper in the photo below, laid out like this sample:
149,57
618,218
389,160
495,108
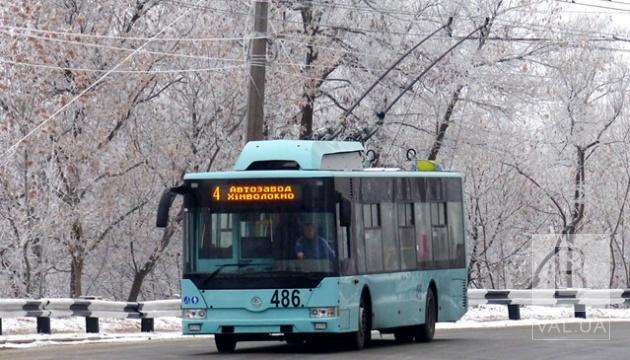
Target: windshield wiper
223,266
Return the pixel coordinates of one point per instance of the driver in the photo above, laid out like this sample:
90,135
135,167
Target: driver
312,246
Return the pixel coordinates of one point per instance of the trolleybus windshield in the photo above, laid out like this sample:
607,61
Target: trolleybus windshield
260,233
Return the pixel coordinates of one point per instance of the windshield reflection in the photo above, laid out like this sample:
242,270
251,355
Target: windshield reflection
262,243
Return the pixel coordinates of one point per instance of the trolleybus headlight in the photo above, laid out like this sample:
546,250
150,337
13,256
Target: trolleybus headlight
194,314
323,312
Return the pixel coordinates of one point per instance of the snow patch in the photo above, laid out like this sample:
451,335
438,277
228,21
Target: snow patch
497,316
19,333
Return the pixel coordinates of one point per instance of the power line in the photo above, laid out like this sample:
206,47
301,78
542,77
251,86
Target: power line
25,34
197,6
145,72
335,26
615,2
119,48
572,2
386,11
412,49
13,147
25,30
558,30
291,63
168,54
342,27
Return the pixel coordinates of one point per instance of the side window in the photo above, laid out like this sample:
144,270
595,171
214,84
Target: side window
455,217
371,216
424,244
405,215
439,221
391,248
407,235
439,232
373,238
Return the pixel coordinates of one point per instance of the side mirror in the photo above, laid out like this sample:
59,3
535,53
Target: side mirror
163,208
345,212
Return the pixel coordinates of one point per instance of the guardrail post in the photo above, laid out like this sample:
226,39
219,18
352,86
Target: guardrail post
579,311
43,325
146,325
514,312
0,327
91,325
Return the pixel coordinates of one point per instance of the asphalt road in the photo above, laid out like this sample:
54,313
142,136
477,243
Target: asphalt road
511,343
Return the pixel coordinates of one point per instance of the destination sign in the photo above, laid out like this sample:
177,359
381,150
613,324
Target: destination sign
255,193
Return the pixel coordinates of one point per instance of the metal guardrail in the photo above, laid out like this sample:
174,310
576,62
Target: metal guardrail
579,298
91,310
147,311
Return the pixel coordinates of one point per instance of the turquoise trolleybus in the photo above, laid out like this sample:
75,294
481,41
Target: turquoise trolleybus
300,243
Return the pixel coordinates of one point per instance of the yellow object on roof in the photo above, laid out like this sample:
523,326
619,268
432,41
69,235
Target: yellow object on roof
427,165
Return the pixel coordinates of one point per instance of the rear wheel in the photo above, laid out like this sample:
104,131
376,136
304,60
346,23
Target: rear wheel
426,331
361,337
225,343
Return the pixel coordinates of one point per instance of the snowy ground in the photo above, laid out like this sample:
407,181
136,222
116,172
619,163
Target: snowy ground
497,316
20,332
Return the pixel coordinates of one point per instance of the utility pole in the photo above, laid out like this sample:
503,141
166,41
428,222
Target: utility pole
257,60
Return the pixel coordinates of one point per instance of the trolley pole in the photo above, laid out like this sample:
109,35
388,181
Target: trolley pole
257,60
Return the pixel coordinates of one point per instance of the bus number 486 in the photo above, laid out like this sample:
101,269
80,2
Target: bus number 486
285,298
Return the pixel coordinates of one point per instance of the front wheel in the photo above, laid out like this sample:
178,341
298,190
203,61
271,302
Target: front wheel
359,339
225,343
426,331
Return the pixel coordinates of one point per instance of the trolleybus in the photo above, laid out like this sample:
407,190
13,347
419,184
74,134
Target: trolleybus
300,243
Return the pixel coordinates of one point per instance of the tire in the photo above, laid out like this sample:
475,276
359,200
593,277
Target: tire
359,339
426,331
225,343
404,335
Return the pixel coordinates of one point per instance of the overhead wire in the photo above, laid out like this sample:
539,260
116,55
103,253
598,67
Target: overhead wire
168,54
22,29
385,11
208,58
92,70
120,48
573,2
615,2
511,22
286,53
614,37
403,121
